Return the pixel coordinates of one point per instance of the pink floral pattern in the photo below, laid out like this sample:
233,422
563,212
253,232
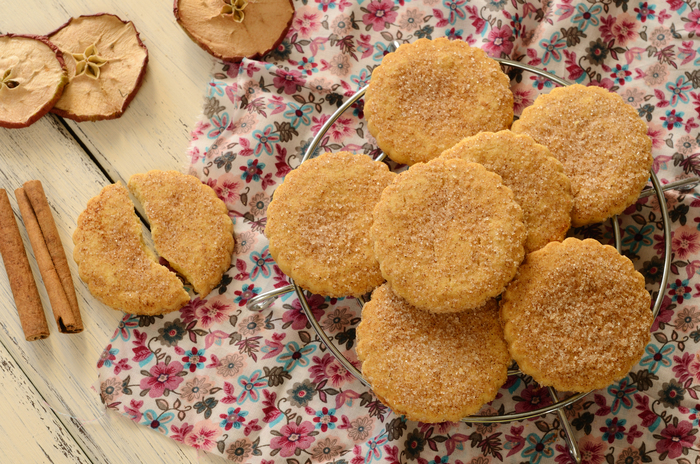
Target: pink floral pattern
259,386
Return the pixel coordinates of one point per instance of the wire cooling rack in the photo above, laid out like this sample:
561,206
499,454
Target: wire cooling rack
264,300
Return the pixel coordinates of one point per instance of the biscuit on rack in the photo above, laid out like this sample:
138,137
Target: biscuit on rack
430,94
602,143
431,367
318,223
113,261
577,316
448,235
536,178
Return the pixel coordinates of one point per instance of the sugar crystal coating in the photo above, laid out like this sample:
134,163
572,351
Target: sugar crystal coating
577,315
448,235
430,94
189,225
114,262
536,178
602,143
319,220
431,367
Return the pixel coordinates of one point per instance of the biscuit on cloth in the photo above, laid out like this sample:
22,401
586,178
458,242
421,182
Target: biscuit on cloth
113,261
602,143
536,178
430,94
431,367
190,225
318,223
448,235
577,316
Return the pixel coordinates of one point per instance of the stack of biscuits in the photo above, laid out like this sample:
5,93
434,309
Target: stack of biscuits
466,249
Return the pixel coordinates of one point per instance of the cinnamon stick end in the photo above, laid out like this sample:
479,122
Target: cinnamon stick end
70,328
39,336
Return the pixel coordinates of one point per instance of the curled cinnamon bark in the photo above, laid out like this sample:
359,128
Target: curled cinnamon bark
24,290
53,257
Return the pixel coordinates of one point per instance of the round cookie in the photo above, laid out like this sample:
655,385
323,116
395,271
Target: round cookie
448,235
536,178
602,143
430,94
577,316
431,367
318,223
190,225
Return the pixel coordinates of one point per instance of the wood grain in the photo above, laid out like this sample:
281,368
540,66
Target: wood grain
59,417
62,368
37,433
154,131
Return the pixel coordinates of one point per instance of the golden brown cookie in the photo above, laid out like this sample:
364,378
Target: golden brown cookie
536,178
602,143
114,262
431,367
448,235
189,225
430,94
318,223
577,315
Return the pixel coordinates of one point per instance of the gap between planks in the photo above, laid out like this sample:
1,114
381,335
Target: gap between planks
138,208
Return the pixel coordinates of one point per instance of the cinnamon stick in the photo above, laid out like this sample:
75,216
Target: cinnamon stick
26,295
54,287
67,317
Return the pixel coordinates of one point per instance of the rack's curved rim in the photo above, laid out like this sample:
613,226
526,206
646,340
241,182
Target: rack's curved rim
263,300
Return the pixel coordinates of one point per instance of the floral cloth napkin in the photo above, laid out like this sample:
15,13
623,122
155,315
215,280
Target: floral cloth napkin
258,386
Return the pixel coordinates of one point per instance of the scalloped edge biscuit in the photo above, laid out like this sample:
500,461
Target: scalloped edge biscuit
318,223
190,225
448,235
602,143
431,367
577,316
113,261
430,94
537,179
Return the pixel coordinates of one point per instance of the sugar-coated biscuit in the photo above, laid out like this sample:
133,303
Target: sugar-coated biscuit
431,367
577,316
318,223
113,261
190,225
536,178
448,235
602,143
430,94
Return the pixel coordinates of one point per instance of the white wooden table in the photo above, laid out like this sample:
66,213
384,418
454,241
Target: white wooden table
49,411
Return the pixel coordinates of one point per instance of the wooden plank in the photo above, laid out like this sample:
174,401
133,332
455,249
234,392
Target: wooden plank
152,134
62,367
154,131
37,434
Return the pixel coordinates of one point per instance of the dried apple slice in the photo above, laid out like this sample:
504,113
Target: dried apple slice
106,62
235,29
32,77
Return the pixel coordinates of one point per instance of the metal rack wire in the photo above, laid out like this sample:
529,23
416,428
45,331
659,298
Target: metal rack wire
264,300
